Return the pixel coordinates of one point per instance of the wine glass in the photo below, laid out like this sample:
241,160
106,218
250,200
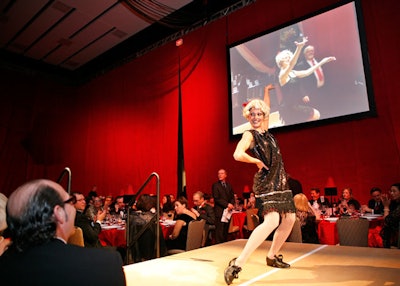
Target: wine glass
337,212
323,211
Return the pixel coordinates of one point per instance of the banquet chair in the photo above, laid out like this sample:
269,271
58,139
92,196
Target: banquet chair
77,237
295,235
252,219
353,232
194,236
398,237
207,234
142,240
233,230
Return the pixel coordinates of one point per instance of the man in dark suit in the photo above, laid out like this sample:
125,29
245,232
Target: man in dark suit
40,218
224,199
90,227
316,199
203,211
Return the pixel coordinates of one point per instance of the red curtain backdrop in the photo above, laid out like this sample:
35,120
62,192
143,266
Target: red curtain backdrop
114,131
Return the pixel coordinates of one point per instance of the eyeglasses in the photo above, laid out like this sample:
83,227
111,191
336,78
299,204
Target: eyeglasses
71,200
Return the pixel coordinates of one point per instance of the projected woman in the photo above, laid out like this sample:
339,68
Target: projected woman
294,107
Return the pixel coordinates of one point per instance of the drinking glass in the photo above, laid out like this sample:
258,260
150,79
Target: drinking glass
323,211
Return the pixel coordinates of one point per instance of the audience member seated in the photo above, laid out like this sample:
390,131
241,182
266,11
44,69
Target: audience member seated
316,199
40,218
142,229
90,197
239,203
164,200
167,207
91,227
119,207
108,204
177,240
348,205
391,214
202,210
307,217
95,208
4,242
375,204
209,199
251,204
172,197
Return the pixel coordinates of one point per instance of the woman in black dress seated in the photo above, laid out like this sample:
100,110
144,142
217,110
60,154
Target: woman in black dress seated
177,240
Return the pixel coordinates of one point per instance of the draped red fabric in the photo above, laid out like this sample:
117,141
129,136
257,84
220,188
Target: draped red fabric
114,131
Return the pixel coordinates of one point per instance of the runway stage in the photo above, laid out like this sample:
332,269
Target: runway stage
311,264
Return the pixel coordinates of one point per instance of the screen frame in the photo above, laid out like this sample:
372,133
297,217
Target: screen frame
371,112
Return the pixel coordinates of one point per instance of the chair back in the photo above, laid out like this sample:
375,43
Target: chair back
195,234
295,235
232,228
77,237
398,237
353,232
252,220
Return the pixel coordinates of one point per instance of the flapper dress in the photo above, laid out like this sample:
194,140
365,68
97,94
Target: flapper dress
270,186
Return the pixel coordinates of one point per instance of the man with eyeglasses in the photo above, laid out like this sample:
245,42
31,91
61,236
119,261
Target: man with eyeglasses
202,210
40,218
91,226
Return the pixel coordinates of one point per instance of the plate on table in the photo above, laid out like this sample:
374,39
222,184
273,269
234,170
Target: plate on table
371,216
168,222
105,226
331,219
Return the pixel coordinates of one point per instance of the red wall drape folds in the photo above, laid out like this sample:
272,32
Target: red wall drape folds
116,130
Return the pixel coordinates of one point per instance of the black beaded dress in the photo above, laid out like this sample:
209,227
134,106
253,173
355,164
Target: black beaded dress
270,186
292,109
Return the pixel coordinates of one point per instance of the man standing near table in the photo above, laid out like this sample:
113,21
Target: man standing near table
224,199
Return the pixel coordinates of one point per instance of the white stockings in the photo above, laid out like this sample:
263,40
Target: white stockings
261,232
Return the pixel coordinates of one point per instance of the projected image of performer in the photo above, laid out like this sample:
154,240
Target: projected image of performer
295,106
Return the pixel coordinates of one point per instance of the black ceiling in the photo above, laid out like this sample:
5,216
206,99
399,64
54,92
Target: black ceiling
76,40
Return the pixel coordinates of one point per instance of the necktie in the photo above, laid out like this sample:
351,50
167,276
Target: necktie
224,184
318,71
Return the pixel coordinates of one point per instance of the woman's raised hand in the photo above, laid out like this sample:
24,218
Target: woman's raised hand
302,43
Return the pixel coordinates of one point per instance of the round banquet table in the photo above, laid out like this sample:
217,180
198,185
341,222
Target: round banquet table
116,236
328,234
113,237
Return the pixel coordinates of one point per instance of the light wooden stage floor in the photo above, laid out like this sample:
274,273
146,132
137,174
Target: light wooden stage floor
311,264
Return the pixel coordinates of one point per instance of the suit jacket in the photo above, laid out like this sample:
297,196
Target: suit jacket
207,213
57,263
222,197
326,202
89,228
378,209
